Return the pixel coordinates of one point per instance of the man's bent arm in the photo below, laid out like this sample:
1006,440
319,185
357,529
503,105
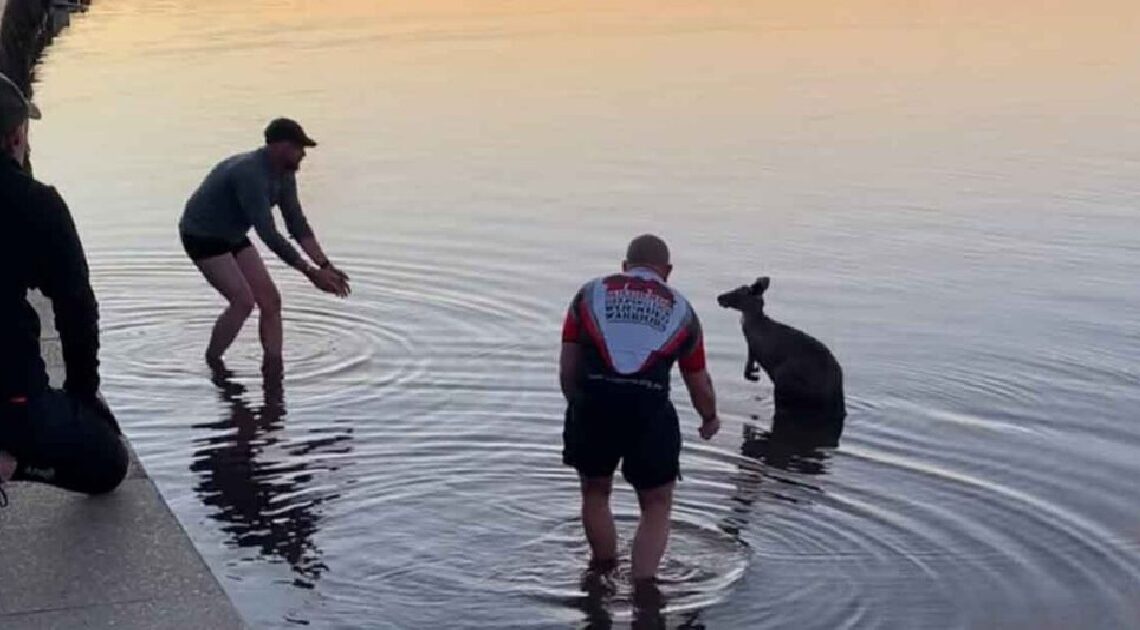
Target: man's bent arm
313,250
694,371
298,226
255,204
295,222
64,279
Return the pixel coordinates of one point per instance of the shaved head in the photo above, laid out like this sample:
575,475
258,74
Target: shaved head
648,250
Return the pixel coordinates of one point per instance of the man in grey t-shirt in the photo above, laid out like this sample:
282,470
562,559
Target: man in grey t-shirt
239,194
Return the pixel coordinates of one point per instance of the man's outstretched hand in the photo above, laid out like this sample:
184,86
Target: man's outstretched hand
337,271
330,280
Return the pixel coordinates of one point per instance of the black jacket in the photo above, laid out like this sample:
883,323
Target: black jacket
39,248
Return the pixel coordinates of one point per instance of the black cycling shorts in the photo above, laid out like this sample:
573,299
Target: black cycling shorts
202,247
640,429
60,440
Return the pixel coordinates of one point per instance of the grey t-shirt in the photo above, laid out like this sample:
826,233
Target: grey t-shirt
239,193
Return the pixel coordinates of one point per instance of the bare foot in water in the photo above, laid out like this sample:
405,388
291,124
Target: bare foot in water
598,579
215,363
647,597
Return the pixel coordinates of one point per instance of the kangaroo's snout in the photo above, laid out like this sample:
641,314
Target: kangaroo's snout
743,298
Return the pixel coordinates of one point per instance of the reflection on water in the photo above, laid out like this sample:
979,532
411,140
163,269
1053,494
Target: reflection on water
648,613
763,455
787,447
259,484
648,607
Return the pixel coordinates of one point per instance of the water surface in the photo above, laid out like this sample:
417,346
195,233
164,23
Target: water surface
943,192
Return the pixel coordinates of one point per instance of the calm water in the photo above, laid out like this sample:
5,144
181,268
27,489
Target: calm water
944,193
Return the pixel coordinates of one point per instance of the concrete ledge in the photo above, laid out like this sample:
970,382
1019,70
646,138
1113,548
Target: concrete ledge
189,612
120,560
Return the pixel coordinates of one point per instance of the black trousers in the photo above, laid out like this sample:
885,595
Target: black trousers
62,441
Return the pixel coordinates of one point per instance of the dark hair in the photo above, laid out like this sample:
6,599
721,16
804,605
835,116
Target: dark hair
647,249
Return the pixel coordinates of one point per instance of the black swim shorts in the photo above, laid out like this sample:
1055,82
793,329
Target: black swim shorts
202,247
638,429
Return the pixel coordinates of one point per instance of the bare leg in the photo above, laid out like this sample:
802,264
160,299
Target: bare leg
223,273
652,531
268,300
598,520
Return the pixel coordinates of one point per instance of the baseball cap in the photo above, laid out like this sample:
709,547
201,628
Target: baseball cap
287,130
14,106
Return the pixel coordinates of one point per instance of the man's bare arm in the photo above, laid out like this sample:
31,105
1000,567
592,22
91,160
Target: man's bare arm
313,250
703,395
317,255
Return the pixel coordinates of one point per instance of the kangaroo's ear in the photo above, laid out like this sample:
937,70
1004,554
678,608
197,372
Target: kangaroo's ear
761,285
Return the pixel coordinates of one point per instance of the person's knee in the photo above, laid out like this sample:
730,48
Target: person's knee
242,304
657,497
269,301
597,487
111,470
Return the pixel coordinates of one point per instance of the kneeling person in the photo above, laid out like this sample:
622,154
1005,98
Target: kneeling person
66,438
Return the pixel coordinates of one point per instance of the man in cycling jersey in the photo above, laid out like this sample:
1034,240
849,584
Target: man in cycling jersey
620,339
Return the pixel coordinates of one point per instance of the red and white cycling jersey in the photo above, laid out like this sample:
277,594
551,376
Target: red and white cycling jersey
637,326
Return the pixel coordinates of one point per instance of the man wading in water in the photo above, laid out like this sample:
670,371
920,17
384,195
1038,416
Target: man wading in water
238,194
620,339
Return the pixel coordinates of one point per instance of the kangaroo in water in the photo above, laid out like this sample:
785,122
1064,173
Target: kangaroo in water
807,379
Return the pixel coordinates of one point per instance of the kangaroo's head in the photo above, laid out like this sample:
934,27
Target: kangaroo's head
748,299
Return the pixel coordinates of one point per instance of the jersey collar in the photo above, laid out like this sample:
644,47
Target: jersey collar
645,273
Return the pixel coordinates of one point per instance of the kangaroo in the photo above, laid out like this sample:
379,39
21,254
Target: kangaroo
807,378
